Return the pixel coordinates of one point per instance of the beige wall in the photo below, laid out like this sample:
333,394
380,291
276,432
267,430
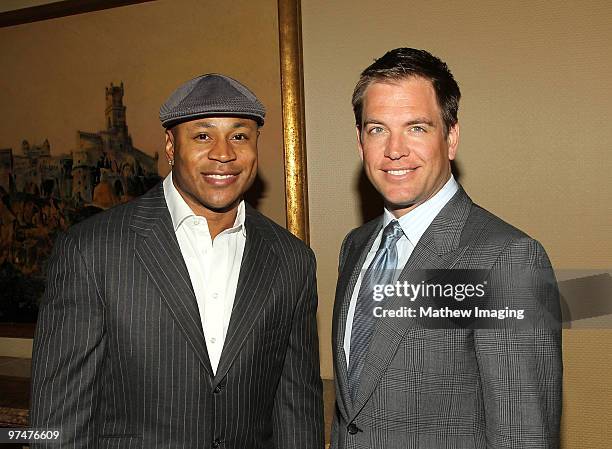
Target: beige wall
52,68
535,149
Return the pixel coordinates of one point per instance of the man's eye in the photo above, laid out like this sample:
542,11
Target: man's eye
240,137
375,130
203,136
417,129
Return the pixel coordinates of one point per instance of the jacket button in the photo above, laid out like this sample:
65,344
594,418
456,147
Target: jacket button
352,428
219,388
216,443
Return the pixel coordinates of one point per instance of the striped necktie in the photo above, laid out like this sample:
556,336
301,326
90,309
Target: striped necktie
380,272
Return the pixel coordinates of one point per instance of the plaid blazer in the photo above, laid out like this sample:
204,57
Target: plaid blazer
426,388
120,359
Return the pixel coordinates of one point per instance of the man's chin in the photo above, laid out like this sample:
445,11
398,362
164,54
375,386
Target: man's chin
401,205
223,206
400,201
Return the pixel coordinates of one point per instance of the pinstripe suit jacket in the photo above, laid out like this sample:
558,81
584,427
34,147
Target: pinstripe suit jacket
120,359
424,388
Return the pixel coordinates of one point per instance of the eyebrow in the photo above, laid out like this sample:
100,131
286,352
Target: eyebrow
415,121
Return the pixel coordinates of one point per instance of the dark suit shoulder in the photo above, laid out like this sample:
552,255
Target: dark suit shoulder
102,219
107,231
358,235
491,225
484,228
364,231
280,238
119,216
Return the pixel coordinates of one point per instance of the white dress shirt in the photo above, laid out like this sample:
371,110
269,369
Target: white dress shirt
213,265
414,224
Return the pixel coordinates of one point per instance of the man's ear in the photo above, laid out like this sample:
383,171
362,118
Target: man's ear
359,144
453,141
169,145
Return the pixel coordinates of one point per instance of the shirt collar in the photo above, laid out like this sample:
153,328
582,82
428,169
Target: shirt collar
180,210
415,223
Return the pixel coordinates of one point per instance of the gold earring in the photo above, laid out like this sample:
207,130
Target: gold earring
171,162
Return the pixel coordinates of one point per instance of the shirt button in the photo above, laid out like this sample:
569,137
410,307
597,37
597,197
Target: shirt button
213,340
215,295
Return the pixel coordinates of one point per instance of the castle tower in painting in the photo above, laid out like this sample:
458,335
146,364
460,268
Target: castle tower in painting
115,110
116,122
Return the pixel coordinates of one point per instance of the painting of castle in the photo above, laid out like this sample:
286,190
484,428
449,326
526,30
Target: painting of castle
42,194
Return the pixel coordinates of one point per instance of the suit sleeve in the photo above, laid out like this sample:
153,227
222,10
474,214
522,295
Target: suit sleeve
335,428
521,368
298,405
346,243
69,345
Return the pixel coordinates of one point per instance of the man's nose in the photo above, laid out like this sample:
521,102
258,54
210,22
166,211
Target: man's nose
397,146
222,151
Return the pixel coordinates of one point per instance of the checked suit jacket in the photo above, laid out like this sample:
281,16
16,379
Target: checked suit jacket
434,388
120,359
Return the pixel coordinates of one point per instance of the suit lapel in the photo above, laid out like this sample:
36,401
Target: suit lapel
356,253
438,248
257,272
159,253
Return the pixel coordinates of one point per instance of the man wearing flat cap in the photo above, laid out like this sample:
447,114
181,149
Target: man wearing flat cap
184,319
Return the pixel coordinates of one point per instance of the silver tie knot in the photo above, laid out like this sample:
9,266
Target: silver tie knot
391,234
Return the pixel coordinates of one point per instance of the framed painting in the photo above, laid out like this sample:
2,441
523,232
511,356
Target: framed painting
79,131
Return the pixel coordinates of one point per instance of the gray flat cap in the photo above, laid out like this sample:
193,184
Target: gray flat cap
211,95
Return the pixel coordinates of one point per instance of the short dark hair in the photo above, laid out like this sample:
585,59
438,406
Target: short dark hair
402,63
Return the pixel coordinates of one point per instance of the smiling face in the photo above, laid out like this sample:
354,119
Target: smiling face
405,151
215,162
